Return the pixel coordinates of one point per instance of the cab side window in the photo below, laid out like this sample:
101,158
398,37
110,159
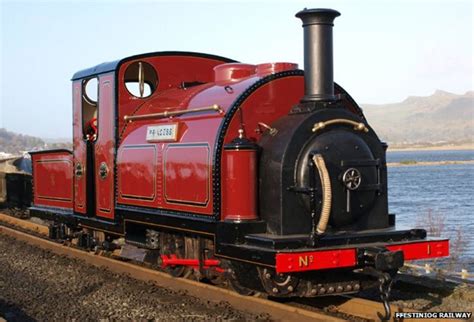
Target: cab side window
90,98
141,79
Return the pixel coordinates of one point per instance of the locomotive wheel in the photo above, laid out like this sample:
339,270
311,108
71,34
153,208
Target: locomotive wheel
237,287
277,284
242,290
234,273
214,277
171,244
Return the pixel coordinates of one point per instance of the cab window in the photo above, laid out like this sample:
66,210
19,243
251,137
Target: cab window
90,97
141,79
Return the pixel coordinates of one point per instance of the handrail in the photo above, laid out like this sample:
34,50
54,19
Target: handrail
357,126
165,114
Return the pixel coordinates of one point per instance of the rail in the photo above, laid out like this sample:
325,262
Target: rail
24,224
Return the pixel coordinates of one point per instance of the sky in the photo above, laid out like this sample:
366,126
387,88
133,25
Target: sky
384,51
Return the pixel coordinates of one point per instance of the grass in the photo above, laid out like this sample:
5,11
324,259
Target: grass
434,224
407,162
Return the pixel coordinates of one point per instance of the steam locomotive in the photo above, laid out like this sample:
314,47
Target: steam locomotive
266,176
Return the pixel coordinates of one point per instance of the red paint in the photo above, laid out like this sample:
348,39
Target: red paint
169,158
80,150
105,146
183,177
137,174
232,72
240,185
172,71
272,68
337,258
309,261
187,174
422,250
52,179
267,104
172,260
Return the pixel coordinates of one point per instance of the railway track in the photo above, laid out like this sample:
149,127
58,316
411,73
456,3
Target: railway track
336,308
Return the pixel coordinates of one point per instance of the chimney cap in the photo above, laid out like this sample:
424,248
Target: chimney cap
319,16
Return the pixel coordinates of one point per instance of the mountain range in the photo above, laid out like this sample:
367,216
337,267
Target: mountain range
440,118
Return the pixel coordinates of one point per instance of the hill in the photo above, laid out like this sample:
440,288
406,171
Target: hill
13,143
440,118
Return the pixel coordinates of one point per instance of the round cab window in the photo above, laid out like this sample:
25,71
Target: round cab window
141,79
91,90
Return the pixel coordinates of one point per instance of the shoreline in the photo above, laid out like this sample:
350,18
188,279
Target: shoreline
426,163
450,147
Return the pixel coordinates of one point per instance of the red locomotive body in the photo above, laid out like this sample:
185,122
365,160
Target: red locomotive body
52,170
252,172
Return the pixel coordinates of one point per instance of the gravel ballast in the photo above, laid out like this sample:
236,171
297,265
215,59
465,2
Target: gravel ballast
38,285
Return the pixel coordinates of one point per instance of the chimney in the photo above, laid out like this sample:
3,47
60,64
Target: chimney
318,54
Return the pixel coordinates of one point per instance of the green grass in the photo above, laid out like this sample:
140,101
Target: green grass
408,162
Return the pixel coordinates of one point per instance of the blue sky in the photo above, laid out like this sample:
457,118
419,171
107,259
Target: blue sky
384,50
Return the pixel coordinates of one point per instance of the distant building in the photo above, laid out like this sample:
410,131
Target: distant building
4,155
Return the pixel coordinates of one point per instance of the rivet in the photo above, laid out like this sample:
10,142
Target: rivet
331,289
356,287
267,276
348,288
322,290
290,288
339,288
314,291
275,290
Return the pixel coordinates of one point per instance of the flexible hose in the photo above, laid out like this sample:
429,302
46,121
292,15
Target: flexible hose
327,193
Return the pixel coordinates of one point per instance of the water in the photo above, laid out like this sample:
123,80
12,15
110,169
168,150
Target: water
445,191
431,156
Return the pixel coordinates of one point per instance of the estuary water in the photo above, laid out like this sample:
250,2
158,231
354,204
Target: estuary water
443,192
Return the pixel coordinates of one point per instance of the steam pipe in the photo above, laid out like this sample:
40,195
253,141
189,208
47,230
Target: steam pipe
318,54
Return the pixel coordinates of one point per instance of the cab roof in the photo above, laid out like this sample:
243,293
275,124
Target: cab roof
114,65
